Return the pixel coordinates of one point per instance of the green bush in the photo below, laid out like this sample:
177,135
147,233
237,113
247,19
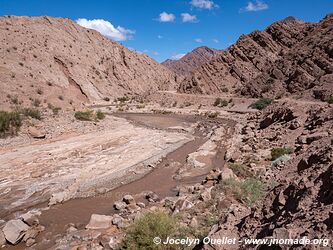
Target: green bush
240,170
100,115
31,112
277,152
141,233
220,102
10,123
330,100
84,115
248,191
261,103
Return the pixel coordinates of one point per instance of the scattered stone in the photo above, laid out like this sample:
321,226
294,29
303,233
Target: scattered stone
32,232
119,221
98,221
30,242
227,173
2,238
14,231
206,195
141,205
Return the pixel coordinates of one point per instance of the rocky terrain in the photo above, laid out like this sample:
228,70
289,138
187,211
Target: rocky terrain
290,57
57,61
191,60
156,162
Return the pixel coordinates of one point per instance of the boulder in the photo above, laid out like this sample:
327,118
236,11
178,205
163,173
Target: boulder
31,217
32,232
227,173
183,204
14,231
119,221
36,133
152,197
98,221
206,195
128,199
119,205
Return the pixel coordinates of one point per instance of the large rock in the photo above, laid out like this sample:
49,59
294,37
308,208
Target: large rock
98,221
37,133
119,205
128,199
14,231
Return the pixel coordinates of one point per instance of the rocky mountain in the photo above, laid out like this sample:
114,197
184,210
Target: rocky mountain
192,60
56,60
289,56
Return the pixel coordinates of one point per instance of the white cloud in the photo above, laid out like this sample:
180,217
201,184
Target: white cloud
107,29
188,18
204,4
177,57
165,17
159,37
216,40
198,40
255,6
155,53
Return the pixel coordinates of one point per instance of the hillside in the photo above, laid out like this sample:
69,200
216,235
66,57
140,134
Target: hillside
56,60
287,57
191,60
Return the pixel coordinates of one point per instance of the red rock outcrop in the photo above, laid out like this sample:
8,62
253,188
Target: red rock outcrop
192,60
57,60
289,56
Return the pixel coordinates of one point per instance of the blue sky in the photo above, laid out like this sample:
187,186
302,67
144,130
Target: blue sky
169,28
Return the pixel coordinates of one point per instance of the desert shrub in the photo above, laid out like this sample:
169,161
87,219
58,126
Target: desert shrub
247,191
100,115
220,102
31,112
61,97
225,89
277,152
54,109
187,104
141,233
84,115
39,91
107,99
212,114
10,123
330,100
36,102
123,99
14,99
240,170
261,103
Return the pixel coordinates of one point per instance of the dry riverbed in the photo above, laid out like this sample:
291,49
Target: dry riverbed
152,152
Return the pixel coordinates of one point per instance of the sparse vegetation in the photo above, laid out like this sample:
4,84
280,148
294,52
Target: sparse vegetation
141,233
220,102
10,123
36,102
100,115
278,152
84,115
31,112
240,170
330,100
247,191
261,103
89,115
107,99
211,114
123,99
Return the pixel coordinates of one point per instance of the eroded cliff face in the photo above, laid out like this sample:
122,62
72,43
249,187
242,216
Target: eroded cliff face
287,57
192,60
56,57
